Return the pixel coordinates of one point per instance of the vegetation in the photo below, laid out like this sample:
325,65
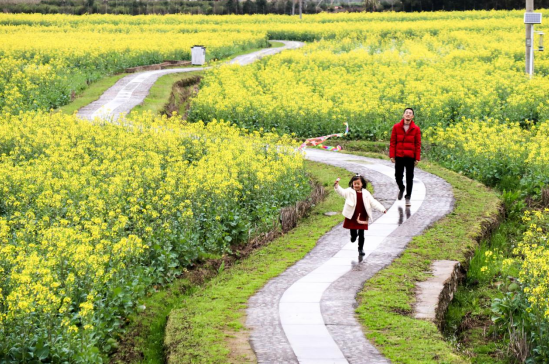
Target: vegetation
92,215
313,90
223,7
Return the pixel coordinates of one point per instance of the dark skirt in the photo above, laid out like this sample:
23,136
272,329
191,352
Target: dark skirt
359,210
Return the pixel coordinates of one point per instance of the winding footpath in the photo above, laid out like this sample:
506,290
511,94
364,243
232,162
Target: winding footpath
307,314
131,90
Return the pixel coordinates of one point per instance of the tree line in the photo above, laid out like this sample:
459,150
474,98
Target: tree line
288,7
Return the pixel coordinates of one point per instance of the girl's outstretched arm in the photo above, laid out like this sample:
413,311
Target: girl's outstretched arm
340,191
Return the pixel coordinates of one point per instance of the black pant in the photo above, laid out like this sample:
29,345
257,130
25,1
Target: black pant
400,164
360,233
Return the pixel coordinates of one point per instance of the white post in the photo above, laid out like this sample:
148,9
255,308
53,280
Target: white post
529,41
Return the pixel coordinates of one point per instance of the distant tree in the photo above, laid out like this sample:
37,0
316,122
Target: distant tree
230,6
371,5
261,6
248,7
310,8
288,8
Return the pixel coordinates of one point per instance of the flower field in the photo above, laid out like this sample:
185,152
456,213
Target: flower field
445,66
44,59
505,154
523,314
93,214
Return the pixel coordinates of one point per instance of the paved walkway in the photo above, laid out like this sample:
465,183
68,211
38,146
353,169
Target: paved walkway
131,90
306,315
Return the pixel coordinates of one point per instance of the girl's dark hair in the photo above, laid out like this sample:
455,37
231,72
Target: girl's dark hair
358,176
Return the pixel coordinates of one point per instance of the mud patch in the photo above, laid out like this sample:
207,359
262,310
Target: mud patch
239,344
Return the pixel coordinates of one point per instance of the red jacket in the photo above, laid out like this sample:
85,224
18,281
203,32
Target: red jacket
405,144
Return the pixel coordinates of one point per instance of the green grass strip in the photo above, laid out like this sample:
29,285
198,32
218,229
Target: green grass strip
204,317
386,302
159,93
90,94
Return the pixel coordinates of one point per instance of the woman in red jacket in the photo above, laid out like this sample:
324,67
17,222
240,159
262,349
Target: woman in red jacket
405,152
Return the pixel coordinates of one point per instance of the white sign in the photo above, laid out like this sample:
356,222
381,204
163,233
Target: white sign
532,18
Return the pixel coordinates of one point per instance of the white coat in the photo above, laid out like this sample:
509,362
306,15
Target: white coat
349,194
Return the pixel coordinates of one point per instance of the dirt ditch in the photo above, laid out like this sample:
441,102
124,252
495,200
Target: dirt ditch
182,92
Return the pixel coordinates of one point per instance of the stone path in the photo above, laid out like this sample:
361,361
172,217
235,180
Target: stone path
131,90
306,315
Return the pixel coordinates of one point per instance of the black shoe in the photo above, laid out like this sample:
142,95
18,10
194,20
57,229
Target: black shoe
361,252
400,194
353,239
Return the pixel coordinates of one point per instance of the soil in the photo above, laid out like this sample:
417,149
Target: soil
239,344
182,92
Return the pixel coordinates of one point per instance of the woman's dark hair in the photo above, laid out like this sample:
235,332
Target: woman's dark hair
358,176
409,108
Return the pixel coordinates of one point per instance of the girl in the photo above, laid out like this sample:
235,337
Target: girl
358,208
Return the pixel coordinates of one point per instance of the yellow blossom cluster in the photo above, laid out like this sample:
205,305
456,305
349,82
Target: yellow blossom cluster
364,69
534,267
45,59
509,154
91,214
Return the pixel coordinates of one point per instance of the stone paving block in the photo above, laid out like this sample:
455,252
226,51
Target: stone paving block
273,346
339,311
353,343
262,315
434,294
337,303
312,342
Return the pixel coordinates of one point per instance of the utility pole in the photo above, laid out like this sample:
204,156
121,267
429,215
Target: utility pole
301,8
529,41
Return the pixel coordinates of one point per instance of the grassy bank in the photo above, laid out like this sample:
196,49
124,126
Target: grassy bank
206,318
468,321
387,300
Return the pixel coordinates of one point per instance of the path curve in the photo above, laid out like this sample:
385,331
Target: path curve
306,314
130,91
